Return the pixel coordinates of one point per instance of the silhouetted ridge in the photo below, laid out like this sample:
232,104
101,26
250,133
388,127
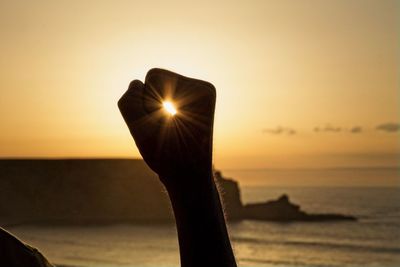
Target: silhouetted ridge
98,191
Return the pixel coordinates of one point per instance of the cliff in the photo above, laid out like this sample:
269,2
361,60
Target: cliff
98,191
80,191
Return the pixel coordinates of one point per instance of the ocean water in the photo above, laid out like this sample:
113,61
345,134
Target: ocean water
374,240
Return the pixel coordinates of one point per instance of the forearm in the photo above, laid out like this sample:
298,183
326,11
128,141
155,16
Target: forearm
202,233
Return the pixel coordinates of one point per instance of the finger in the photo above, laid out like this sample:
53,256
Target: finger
188,94
131,104
160,86
142,124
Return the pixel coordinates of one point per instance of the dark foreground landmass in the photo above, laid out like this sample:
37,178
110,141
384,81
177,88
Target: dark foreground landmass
100,191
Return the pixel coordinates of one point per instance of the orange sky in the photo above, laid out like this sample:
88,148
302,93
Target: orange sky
297,65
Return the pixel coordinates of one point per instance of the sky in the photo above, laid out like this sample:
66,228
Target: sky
300,84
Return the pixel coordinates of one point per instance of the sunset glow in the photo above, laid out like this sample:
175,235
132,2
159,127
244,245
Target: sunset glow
323,96
268,130
169,107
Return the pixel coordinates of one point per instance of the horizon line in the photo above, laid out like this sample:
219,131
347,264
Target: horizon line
225,169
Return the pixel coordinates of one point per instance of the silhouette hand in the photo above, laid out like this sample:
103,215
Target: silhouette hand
172,145
179,148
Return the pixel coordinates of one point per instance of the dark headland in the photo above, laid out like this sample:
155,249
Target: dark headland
101,191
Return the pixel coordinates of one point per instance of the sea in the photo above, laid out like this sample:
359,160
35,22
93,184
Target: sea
373,240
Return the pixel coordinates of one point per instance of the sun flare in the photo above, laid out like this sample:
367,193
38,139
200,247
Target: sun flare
169,107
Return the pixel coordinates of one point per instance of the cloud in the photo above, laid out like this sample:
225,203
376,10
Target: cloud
280,130
328,128
356,129
337,129
388,127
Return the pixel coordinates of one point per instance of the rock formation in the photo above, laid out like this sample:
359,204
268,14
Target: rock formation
274,210
283,210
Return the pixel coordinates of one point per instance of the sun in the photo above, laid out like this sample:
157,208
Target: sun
169,107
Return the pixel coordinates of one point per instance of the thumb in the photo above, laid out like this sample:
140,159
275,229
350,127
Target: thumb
131,102
141,123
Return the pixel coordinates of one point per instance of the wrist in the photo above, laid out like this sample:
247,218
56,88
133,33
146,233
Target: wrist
188,179
196,201
202,233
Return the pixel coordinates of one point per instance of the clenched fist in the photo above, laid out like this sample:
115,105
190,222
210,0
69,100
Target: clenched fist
171,120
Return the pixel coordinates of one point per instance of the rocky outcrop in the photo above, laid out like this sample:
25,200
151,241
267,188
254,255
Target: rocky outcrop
283,210
98,191
274,210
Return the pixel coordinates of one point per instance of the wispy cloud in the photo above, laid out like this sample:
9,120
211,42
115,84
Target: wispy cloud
389,127
356,129
337,129
280,130
328,128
